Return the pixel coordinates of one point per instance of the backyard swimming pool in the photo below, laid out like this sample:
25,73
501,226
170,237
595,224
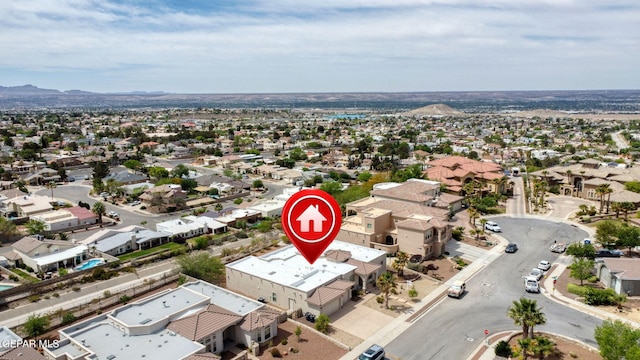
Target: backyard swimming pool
5,287
90,263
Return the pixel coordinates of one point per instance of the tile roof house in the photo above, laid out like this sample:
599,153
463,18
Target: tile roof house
581,180
456,171
28,205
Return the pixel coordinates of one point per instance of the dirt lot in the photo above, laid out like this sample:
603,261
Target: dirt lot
311,345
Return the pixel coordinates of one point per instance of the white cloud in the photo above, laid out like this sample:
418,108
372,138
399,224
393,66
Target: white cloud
272,45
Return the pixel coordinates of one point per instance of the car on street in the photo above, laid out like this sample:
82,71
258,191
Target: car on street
113,214
511,248
544,265
617,252
135,203
456,289
606,253
492,226
558,248
531,284
375,352
536,273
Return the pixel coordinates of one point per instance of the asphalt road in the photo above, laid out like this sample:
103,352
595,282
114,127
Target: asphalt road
455,327
75,192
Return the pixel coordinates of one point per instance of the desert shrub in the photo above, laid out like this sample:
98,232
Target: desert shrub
577,289
593,279
380,299
284,342
322,323
68,318
413,293
602,297
34,298
242,235
124,299
275,353
503,349
76,288
415,267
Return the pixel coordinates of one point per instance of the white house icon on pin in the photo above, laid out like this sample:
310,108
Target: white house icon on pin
312,214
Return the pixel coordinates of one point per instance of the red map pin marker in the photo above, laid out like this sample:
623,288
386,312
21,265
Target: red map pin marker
311,218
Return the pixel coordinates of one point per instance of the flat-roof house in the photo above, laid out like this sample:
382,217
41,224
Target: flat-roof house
195,319
28,205
285,279
12,347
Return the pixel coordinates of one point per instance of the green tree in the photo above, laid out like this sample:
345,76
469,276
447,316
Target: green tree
298,332
322,323
606,232
627,206
132,164
581,250
618,340
201,242
257,184
401,260
180,171
386,282
99,209
581,269
34,227
629,237
218,207
202,265
51,185
331,187
526,313
7,229
632,186
158,172
364,176
36,325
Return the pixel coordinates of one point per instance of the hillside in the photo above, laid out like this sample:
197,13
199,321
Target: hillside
434,110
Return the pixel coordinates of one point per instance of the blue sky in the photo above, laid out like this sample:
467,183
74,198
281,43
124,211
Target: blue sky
269,46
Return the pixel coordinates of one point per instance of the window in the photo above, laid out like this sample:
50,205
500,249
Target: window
273,297
267,332
369,226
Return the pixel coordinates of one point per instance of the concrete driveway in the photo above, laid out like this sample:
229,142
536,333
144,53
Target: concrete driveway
359,320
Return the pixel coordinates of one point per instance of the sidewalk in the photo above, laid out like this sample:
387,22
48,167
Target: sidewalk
398,325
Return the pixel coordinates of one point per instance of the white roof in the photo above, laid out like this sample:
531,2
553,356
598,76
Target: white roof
53,258
286,266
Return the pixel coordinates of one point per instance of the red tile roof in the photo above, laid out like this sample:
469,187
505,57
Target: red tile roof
204,323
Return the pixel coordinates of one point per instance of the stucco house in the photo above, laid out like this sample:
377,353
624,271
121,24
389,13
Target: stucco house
284,278
49,255
620,274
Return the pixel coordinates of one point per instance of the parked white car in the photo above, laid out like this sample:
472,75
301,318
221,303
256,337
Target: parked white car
544,265
490,225
531,284
536,273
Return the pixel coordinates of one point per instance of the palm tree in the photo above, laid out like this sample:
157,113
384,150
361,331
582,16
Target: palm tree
525,347
402,258
627,206
616,207
526,313
51,185
483,222
543,347
99,209
386,282
473,215
601,191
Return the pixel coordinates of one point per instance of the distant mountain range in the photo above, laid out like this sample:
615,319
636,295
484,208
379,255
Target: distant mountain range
620,101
